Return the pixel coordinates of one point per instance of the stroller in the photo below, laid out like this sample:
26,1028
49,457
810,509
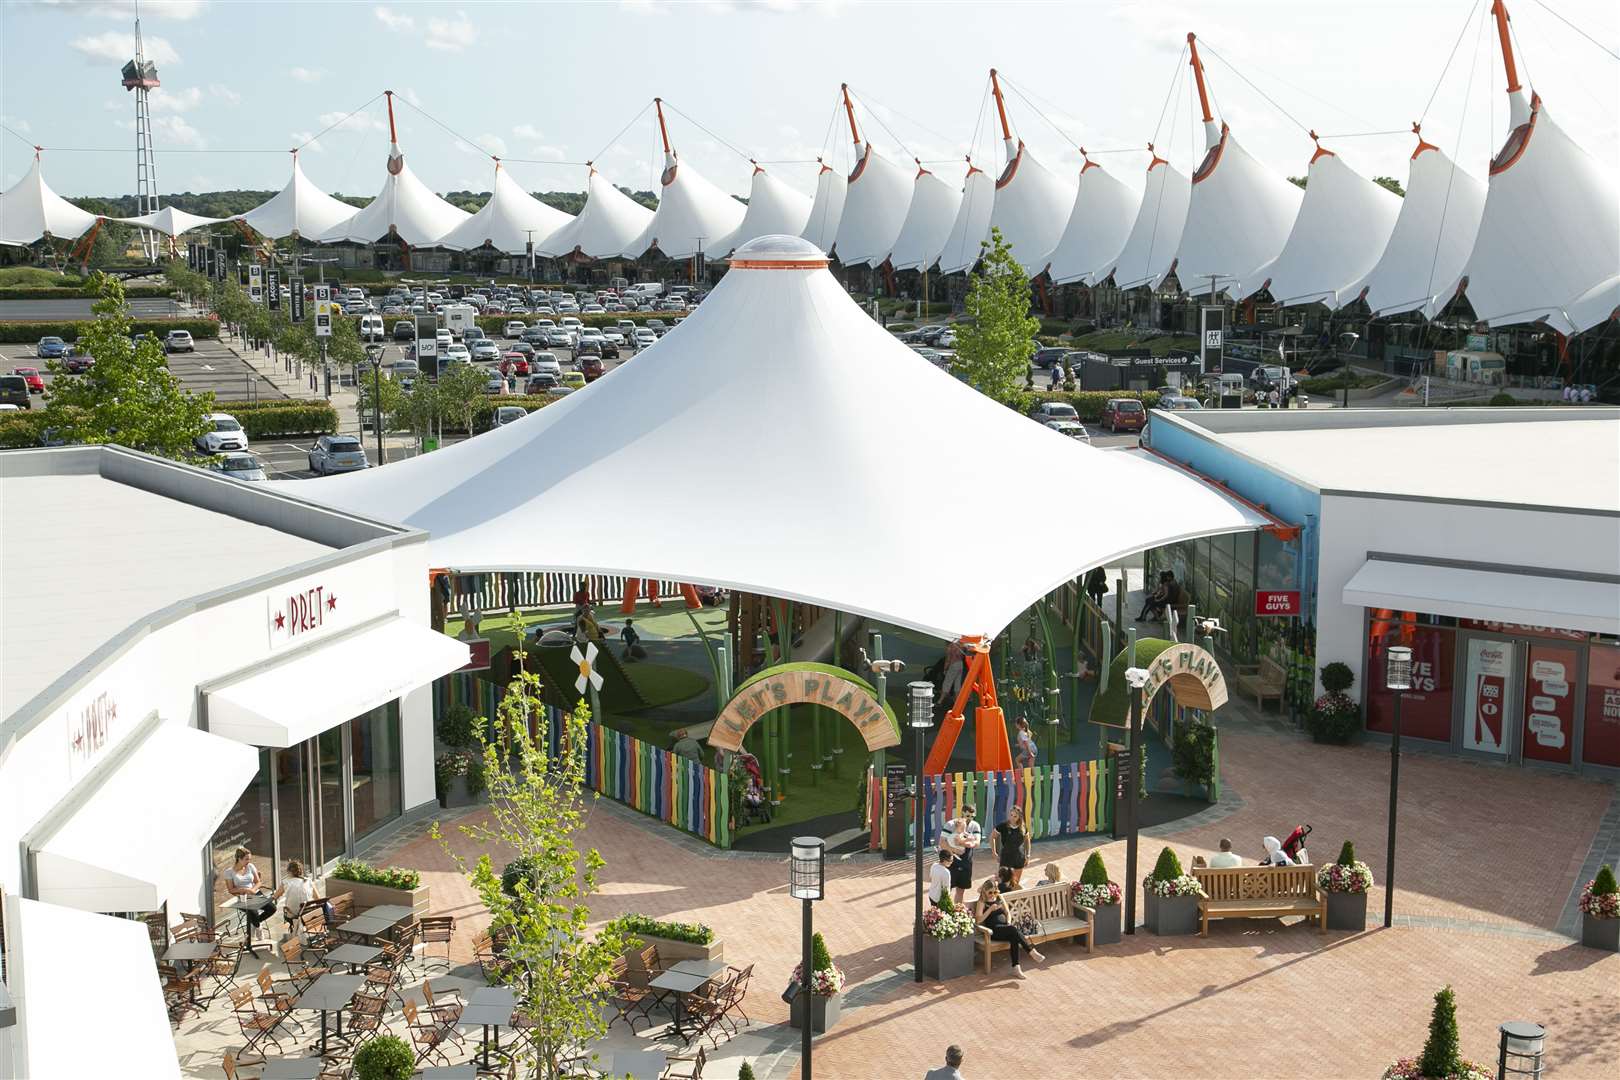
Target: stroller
755,806
1294,846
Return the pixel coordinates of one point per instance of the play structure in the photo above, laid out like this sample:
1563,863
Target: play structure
991,749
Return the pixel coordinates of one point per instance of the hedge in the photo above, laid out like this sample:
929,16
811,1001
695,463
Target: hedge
16,333
131,292
292,417
638,925
21,429
1089,403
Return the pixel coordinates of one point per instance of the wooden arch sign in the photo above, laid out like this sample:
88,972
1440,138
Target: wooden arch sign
1192,674
806,683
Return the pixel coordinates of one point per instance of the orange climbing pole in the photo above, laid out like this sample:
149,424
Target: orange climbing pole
991,750
632,592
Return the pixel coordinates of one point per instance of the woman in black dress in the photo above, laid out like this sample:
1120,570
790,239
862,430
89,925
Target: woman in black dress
990,912
1011,843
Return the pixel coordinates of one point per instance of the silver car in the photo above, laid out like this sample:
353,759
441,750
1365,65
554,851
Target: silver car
241,466
337,454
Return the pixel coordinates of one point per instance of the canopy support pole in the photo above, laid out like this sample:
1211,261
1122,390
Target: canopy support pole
1499,10
1001,106
393,136
1198,74
849,110
663,132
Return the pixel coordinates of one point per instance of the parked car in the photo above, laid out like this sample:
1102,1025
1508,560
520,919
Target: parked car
574,379
1054,410
645,337
1072,428
14,391
1178,403
405,330
179,341
590,365
514,329
1123,414
31,376
76,362
657,327
239,465
224,433
514,364
51,348
1044,358
485,351
545,362
496,384
456,352
540,383
337,454
371,328
508,414
558,338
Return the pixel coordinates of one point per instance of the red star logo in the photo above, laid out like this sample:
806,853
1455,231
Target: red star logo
78,740
112,710
281,620
331,602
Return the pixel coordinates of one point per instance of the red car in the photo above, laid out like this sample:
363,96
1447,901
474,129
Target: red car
590,367
1124,414
36,385
514,363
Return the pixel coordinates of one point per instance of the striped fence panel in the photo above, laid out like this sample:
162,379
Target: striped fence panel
684,793
504,591
1058,800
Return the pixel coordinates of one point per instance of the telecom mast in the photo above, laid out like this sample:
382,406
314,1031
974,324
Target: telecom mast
140,75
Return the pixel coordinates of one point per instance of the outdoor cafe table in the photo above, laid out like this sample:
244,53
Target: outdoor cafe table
393,912
679,983
465,1071
328,993
188,953
366,927
255,902
355,956
306,1068
490,1007
638,1064
706,968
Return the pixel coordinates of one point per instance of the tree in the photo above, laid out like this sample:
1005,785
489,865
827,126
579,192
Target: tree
1297,181
994,350
1441,1054
537,809
461,391
128,396
389,395
1095,873
1389,183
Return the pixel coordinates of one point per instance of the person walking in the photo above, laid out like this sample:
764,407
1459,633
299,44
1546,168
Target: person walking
1027,753
961,837
990,912
1010,842
952,1069
1097,584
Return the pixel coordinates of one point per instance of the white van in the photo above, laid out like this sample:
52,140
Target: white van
458,317
371,328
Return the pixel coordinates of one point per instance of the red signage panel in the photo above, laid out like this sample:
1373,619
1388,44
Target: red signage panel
1277,602
479,658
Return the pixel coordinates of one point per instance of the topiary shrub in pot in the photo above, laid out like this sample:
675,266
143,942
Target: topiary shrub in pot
1441,1058
1600,911
1101,896
1170,897
387,1057
1345,883
826,990
1335,717
947,944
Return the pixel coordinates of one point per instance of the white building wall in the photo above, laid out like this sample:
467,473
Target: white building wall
1352,526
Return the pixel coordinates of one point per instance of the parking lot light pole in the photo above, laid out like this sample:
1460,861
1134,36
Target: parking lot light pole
376,354
1135,678
1398,678
921,718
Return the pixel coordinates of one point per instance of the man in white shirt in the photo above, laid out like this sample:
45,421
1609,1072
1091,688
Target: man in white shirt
939,876
1226,857
952,1069
961,836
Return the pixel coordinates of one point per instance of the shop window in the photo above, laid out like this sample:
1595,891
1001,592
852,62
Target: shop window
247,825
374,741
1426,708
1601,742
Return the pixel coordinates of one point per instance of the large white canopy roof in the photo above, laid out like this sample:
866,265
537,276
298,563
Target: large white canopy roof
31,211
1549,240
1032,207
874,209
1431,240
300,208
1239,218
510,219
773,208
963,245
607,222
928,223
1150,251
782,385
1343,225
170,222
1104,210
691,214
404,208
827,208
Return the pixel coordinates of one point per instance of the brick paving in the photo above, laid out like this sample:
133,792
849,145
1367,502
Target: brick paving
1487,855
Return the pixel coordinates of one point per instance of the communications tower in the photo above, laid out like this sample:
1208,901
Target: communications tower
140,75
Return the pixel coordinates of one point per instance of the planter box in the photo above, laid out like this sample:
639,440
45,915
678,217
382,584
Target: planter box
370,896
1107,924
1347,911
823,1011
1169,915
670,952
1600,933
457,795
947,958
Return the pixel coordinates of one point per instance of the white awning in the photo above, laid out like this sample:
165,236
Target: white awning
87,996
1474,592
137,839
332,681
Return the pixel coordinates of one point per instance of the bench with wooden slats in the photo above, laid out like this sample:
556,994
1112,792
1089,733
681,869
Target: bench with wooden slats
1263,681
1053,910
1259,892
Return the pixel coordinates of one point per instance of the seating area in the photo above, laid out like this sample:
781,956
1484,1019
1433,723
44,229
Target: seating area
1263,681
1260,892
1053,912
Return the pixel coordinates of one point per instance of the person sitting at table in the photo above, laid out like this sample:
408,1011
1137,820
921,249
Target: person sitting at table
243,880
296,891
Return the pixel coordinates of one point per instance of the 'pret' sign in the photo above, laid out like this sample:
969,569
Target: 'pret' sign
88,730
300,612
1276,602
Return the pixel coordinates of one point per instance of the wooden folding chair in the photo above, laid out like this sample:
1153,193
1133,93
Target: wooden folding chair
693,1066
437,930
257,1027
427,1035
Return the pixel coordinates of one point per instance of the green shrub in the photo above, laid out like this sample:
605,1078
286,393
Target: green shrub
455,728
1095,873
1347,854
37,277
746,1072
386,1057
34,292
1193,756
1337,677
477,775
1604,884
19,333
19,430
1503,399
820,958
1441,1054
1168,868
691,933
1089,403
389,877
292,417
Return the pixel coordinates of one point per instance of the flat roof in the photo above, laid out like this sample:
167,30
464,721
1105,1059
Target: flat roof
1555,457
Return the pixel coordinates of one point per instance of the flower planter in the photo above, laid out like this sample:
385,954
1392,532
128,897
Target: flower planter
1107,924
1600,933
670,952
1347,911
1170,915
456,794
370,896
946,958
823,1010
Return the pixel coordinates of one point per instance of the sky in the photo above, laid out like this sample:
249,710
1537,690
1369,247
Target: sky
548,86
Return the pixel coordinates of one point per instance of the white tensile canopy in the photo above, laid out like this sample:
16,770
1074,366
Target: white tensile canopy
170,222
827,208
1032,207
773,208
608,221
1239,218
766,364
1150,251
928,223
510,219
1548,247
405,208
1432,237
1104,209
300,208
31,211
1343,225
972,224
692,213
874,209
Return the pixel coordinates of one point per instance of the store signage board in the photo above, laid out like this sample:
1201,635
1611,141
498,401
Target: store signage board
256,283
478,654
1277,602
90,729
1489,671
302,610
323,311
1522,628
273,295
1211,339
295,289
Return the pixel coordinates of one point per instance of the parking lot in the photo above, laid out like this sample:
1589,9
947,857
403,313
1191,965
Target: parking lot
212,367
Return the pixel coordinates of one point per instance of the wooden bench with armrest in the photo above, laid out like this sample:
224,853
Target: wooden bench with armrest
1260,892
1052,909
1261,681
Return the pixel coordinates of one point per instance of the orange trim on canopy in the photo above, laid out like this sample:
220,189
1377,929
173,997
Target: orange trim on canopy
1417,129
1279,528
779,264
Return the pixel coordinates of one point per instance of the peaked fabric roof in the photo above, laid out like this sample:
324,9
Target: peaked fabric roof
1104,210
510,219
874,210
774,350
30,210
1239,218
1343,225
170,222
691,214
1150,250
607,222
972,224
1431,240
827,208
1032,207
405,208
300,208
773,208
1549,240
928,223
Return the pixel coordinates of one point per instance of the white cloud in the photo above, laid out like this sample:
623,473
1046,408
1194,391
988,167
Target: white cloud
451,35
170,130
360,121
117,46
526,131
124,10
172,100
393,20
494,144
543,152
306,141
306,75
16,124
410,95
225,93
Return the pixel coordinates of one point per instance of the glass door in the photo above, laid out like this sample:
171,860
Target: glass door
333,826
293,811
1490,698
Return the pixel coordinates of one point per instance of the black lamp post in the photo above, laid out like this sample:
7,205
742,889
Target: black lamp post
1135,678
375,353
1524,1042
1398,678
921,719
807,881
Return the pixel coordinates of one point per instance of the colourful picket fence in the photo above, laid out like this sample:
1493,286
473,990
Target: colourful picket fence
533,589
674,789
1058,800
